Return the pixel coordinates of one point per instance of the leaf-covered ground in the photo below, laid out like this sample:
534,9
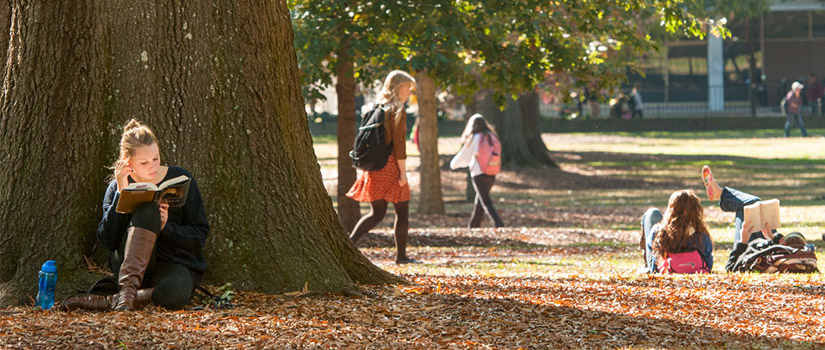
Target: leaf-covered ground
564,274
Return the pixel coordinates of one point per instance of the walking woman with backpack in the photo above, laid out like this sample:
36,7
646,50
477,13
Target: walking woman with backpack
389,183
678,241
481,152
156,252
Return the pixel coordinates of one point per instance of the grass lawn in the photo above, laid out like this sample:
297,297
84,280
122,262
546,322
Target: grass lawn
563,274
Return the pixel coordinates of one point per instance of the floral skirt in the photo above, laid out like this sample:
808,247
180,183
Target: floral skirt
381,184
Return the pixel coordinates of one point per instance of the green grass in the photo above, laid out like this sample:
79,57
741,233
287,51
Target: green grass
644,168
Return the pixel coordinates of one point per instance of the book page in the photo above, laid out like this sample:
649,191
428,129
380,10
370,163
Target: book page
173,181
140,186
753,219
769,211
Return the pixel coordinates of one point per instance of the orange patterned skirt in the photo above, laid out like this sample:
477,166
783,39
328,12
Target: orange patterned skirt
381,184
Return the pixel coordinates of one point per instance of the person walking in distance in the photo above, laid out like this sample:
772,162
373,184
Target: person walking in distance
481,152
792,105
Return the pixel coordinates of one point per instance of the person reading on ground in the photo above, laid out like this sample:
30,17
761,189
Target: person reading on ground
745,233
680,230
732,200
389,184
477,135
156,252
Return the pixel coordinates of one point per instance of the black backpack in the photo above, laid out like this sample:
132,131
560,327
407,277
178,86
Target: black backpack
370,150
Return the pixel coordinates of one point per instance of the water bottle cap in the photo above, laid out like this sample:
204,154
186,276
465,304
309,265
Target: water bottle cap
49,266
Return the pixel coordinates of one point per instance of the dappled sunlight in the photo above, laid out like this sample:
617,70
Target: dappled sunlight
569,259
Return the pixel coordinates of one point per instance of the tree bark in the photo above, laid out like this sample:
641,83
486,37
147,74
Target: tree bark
431,201
5,25
54,150
218,83
348,209
529,107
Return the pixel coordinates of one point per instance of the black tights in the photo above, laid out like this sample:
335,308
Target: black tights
377,211
483,203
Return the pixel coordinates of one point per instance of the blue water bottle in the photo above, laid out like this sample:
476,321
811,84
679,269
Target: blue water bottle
47,281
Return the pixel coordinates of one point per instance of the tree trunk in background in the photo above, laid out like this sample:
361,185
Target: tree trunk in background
508,124
219,85
348,209
432,201
5,26
529,107
54,127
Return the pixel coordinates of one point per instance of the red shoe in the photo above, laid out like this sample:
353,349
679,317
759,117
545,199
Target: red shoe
707,178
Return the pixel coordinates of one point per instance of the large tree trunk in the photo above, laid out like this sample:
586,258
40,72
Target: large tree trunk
432,201
54,128
348,209
5,26
219,85
529,107
508,124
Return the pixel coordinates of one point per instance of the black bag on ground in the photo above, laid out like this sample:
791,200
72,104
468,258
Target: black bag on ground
763,255
370,150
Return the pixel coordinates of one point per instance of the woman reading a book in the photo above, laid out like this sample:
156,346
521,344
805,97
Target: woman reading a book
681,229
156,251
390,183
755,225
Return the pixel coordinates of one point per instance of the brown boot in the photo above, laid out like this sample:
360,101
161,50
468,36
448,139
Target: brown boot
143,297
136,254
90,302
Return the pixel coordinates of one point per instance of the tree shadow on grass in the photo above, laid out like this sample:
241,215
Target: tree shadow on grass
434,240
620,327
480,315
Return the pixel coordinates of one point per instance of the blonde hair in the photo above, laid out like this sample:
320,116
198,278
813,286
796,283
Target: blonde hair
388,94
682,225
134,135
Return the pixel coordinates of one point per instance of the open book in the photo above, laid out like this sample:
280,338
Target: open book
757,214
172,192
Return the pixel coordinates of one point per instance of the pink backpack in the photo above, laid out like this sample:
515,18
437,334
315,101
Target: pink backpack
688,262
489,156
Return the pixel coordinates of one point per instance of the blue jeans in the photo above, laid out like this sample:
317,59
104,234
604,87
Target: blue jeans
735,201
789,123
649,220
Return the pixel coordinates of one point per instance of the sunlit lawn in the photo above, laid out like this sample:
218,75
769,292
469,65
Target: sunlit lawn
579,225
642,169
563,274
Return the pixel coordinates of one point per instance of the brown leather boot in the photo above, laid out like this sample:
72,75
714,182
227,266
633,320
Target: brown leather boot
90,302
136,254
143,297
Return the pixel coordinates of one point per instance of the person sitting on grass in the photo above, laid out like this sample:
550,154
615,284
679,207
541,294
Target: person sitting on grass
156,252
680,234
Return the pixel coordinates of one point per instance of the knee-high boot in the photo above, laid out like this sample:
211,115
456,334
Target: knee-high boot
136,254
94,302
89,302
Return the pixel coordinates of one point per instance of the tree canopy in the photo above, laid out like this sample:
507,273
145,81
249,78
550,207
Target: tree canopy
466,45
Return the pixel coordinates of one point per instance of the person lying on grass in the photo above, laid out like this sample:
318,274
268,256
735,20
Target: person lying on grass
733,200
678,241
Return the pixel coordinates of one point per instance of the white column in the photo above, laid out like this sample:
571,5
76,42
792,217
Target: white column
716,74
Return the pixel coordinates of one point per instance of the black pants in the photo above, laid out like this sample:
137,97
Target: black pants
173,283
483,203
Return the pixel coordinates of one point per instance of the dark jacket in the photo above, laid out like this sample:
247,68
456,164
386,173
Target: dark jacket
181,240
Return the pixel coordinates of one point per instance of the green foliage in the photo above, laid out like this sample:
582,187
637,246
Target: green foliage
467,45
